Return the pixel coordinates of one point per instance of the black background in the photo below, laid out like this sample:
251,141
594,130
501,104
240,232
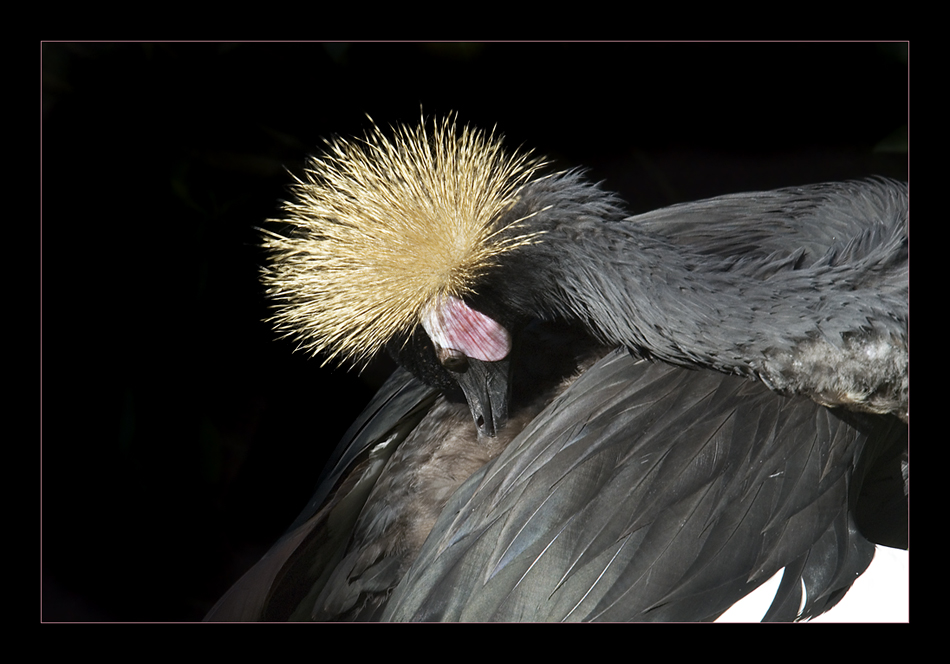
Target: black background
179,437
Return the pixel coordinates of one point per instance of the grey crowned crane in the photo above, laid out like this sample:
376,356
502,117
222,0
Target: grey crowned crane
597,417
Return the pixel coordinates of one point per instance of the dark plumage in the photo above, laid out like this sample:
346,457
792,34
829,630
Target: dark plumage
668,409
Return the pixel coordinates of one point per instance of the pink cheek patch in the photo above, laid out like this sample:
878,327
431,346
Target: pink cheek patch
454,325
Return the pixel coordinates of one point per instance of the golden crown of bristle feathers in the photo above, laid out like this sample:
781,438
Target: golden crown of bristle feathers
384,226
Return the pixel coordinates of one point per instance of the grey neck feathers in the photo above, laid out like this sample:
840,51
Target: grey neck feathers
831,327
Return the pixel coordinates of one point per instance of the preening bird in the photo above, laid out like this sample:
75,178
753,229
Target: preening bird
597,416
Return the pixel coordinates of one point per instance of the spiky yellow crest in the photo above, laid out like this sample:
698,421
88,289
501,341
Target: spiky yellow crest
386,226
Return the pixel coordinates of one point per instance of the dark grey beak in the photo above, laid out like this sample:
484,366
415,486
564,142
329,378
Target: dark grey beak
486,386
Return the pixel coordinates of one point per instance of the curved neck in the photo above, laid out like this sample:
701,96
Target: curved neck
802,330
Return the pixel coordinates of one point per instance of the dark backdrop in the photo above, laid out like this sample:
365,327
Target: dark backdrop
179,438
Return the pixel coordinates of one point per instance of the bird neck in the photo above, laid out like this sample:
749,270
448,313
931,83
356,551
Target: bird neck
795,329
636,290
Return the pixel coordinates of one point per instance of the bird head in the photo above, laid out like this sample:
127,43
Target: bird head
386,240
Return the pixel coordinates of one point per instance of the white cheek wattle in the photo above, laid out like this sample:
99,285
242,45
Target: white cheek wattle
452,324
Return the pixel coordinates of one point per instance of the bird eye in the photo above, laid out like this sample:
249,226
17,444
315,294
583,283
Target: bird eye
451,359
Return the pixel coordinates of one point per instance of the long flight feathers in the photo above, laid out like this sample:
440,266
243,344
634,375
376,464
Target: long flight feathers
646,492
